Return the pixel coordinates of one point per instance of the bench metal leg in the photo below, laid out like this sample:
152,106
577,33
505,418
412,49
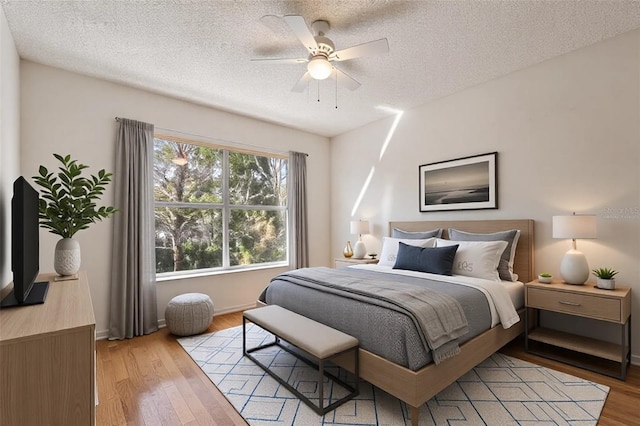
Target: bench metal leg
321,384
244,340
320,366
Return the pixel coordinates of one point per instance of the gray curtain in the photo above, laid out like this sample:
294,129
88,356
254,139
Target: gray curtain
133,310
297,200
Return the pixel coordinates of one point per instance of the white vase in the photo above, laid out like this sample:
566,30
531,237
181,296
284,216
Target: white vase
67,257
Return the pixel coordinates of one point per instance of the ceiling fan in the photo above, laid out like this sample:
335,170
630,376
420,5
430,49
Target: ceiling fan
322,53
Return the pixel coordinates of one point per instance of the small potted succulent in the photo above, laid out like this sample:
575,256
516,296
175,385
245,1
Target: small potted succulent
545,278
605,278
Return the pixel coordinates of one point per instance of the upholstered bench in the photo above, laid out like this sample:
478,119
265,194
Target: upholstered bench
189,313
317,341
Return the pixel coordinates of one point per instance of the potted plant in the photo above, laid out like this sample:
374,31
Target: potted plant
605,278
68,206
545,278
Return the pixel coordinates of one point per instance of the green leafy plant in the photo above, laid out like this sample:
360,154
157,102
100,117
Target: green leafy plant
604,273
68,205
546,275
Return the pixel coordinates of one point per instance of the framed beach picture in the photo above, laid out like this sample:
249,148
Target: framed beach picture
460,184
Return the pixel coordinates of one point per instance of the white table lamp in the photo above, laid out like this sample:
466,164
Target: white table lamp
359,227
574,268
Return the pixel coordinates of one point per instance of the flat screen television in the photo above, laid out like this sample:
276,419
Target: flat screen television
25,248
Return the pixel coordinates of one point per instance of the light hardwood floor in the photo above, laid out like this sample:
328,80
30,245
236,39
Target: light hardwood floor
151,381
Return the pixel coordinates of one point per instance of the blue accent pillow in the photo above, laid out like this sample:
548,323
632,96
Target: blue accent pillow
434,260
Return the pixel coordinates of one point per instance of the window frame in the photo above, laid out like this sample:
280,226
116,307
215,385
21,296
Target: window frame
226,208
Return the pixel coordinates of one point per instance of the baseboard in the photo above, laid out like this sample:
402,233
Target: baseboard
104,334
234,309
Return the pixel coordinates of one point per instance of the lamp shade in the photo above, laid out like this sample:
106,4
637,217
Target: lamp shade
359,227
574,226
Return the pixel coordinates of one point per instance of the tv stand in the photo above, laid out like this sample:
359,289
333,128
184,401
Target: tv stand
36,296
47,358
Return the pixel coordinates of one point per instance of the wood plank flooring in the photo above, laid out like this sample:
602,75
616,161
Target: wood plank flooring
151,381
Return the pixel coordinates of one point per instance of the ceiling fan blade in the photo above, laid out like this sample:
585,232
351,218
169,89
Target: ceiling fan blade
275,24
302,83
301,30
371,48
344,79
281,60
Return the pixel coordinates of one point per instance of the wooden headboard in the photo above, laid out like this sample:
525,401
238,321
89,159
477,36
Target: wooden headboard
523,264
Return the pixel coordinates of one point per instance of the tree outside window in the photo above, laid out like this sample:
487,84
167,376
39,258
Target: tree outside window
217,208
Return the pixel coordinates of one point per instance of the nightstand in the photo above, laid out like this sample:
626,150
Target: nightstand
343,262
588,301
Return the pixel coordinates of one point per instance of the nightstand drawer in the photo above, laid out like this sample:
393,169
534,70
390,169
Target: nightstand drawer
575,304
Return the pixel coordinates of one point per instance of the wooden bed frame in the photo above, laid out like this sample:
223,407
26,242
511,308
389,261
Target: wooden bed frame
417,387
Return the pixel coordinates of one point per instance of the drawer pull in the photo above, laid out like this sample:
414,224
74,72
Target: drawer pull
563,302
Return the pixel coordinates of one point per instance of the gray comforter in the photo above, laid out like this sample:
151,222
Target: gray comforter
380,326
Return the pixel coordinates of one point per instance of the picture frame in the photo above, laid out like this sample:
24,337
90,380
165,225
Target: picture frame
467,183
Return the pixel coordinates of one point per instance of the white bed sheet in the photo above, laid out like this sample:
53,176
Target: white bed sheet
516,292
504,297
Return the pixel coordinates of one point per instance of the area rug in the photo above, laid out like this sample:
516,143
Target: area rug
500,391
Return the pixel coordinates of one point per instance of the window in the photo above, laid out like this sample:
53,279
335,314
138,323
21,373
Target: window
217,208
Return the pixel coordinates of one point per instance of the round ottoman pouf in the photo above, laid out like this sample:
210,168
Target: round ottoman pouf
189,313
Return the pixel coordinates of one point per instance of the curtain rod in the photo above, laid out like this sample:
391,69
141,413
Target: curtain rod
275,151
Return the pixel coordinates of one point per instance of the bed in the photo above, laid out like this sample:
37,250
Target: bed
415,381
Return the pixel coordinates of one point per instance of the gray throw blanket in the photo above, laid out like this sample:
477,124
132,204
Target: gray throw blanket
438,317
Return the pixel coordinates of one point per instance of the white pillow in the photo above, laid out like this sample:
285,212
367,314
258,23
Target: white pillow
390,248
478,259
505,267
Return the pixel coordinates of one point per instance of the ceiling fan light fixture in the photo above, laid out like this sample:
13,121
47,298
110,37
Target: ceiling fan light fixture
181,158
180,161
319,67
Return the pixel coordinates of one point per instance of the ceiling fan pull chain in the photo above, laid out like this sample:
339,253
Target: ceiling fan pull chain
318,81
336,71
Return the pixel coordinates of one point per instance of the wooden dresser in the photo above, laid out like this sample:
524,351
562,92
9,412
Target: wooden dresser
47,358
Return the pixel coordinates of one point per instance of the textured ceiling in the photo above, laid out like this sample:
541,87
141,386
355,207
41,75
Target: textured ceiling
201,50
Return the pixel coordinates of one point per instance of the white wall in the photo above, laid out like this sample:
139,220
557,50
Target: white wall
68,113
9,141
567,132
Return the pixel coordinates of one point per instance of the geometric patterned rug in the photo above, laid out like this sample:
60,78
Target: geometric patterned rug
500,391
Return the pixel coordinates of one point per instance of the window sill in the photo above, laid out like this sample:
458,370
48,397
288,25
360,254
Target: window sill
174,276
